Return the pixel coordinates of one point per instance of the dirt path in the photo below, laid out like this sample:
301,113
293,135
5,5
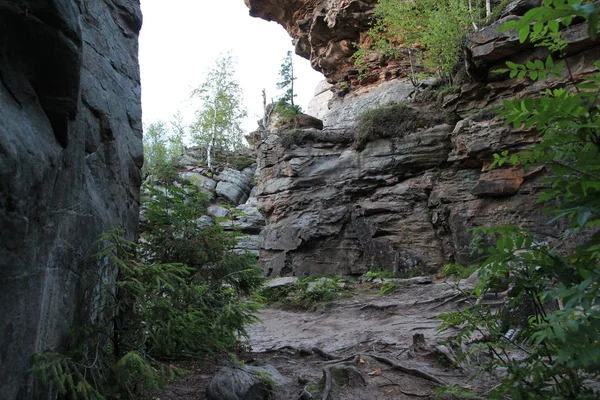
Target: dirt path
391,320
365,323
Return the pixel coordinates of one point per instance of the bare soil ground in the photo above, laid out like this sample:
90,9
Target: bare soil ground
378,329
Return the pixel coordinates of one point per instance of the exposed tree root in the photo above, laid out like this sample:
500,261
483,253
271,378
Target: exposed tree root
352,361
327,380
326,383
379,307
324,354
446,301
349,358
405,392
409,371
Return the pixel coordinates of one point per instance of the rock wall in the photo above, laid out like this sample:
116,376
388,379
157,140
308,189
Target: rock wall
407,200
70,158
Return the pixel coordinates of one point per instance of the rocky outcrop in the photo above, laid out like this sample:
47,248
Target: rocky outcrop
231,197
405,200
323,31
70,158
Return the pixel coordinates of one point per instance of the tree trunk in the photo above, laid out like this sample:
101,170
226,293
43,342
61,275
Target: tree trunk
488,8
211,142
265,120
292,80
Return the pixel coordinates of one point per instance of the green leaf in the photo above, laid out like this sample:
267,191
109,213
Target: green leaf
511,65
553,25
593,24
539,64
523,34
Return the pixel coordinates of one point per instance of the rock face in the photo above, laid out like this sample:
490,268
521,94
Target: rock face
408,200
323,31
70,155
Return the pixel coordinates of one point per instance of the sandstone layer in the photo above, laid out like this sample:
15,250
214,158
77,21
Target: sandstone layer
405,201
70,158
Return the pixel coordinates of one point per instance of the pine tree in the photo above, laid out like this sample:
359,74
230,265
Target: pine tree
286,73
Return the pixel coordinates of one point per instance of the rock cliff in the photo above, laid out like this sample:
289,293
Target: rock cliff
348,198
70,158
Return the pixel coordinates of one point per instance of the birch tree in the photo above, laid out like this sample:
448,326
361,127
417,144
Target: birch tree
217,127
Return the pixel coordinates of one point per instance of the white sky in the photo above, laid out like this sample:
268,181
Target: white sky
180,40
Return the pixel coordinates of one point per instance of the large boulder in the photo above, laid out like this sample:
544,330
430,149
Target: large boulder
233,186
244,382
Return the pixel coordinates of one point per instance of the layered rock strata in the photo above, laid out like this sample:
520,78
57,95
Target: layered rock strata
70,158
408,200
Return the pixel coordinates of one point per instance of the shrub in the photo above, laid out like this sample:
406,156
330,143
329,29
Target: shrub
286,111
437,28
458,271
241,161
305,293
393,120
388,288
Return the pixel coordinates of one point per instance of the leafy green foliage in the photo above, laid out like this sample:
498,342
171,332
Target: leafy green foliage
307,293
542,25
388,287
161,147
62,375
379,274
439,27
458,271
241,161
559,345
457,391
286,111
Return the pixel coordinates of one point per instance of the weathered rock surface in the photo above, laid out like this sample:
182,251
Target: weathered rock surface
319,104
244,382
233,186
323,31
70,158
